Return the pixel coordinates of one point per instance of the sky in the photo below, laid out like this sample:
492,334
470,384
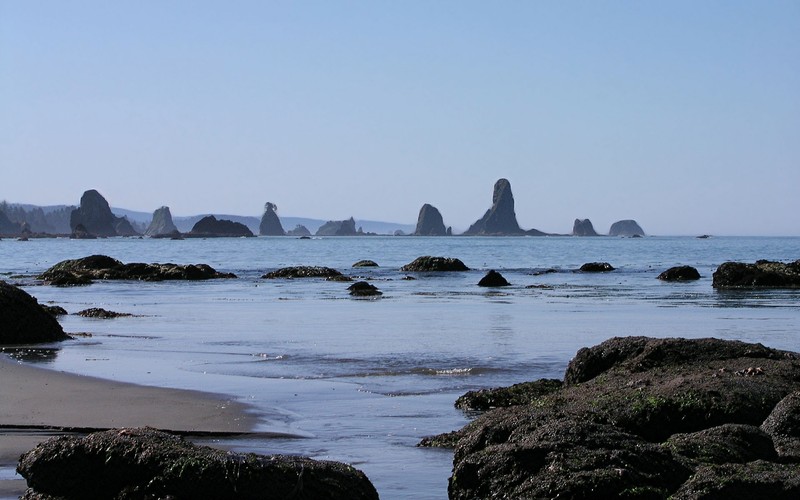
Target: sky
682,115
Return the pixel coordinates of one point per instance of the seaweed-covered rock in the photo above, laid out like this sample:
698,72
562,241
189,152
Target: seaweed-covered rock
366,263
680,273
596,267
735,481
728,443
762,274
303,272
103,267
364,289
100,313
783,424
501,397
434,264
23,320
493,279
146,463
55,310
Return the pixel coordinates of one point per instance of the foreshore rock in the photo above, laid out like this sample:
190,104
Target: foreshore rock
596,267
96,217
102,267
270,223
100,313
430,222
642,417
23,320
210,227
583,227
338,228
493,279
303,272
364,289
162,224
434,264
680,273
146,463
762,274
626,227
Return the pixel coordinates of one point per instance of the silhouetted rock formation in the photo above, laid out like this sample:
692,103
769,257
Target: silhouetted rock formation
100,313
430,222
364,289
338,228
162,223
270,223
625,228
493,279
96,217
501,218
210,227
147,463
103,267
762,274
79,232
303,272
597,267
583,227
366,263
23,320
299,230
427,263
680,273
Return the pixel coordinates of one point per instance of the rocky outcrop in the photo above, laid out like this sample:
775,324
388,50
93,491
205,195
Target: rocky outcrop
430,222
100,313
299,230
680,273
500,219
210,227
79,232
503,397
596,267
364,289
23,320
270,223
162,224
303,272
762,274
338,228
434,264
493,279
641,417
146,463
625,228
102,267
96,217
366,263
583,227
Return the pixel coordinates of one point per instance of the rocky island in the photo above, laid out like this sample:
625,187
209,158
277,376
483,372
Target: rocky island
94,216
500,219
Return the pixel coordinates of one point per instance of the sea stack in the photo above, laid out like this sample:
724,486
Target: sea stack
210,227
626,227
500,219
162,223
338,228
583,227
270,223
96,217
430,222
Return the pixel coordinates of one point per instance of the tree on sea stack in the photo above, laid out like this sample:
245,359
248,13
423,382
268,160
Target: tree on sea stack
270,223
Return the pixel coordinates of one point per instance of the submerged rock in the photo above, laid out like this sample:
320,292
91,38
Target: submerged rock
303,272
434,264
364,289
626,227
493,279
270,223
210,227
430,222
23,320
161,224
762,274
146,463
680,273
583,227
103,267
597,267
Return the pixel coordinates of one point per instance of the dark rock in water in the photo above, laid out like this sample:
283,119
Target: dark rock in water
102,267
502,397
210,227
626,228
430,222
98,312
500,219
270,223
55,310
23,320
146,463
434,264
597,267
299,230
96,217
583,227
492,279
680,273
366,263
364,289
303,272
162,224
642,417
762,274
338,228
80,232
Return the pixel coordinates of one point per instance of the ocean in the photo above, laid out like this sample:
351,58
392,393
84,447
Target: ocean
363,380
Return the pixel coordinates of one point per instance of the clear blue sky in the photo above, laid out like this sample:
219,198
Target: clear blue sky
682,115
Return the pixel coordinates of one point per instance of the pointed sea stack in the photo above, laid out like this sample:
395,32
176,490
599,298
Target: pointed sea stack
162,223
270,223
94,214
626,227
430,222
500,220
583,227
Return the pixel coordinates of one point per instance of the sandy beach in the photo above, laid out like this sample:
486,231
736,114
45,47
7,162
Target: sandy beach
38,403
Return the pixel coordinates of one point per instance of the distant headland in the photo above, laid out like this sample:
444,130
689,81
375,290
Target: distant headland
94,218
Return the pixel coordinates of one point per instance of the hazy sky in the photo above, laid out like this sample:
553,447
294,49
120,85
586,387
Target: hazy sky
682,115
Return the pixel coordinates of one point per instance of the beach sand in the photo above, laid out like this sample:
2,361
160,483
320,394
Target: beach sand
37,403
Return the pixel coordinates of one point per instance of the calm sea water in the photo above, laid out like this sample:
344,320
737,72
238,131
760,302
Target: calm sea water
361,381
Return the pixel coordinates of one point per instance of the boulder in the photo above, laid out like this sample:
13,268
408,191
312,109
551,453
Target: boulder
366,263
583,227
270,223
641,417
23,320
626,227
596,267
338,228
299,230
502,397
96,217
162,224
434,264
364,289
101,267
500,219
762,274
680,273
210,227
146,463
493,279
430,222
303,272
100,313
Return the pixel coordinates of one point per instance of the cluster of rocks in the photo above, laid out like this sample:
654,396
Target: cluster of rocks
639,417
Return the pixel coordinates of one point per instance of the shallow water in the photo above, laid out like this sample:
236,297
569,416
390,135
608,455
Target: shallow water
362,381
